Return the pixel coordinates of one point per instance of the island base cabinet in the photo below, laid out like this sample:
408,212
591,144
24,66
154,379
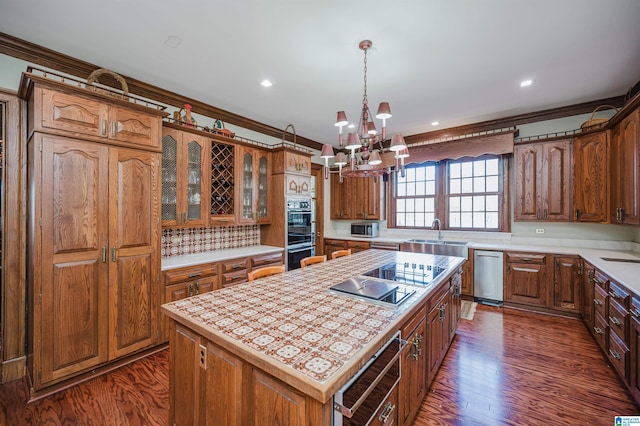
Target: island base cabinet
211,386
634,376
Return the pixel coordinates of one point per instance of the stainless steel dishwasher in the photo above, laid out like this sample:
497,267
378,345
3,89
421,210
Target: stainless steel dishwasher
487,277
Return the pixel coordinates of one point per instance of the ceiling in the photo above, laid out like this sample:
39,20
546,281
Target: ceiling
456,62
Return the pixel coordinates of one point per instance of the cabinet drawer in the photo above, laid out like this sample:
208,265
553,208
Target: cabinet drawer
618,355
410,326
600,301
601,331
266,260
233,278
234,265
526,257
362,245
619,320
601,280
619,294
635,308
186,274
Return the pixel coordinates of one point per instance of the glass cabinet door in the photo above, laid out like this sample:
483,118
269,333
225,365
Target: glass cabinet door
194,181
263,182
247,186
169,181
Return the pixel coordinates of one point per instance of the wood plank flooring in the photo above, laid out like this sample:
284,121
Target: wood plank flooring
505,367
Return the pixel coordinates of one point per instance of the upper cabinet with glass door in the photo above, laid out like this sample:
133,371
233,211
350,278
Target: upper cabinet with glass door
184,179
254,169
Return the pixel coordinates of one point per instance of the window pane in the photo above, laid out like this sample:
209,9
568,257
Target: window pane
454,204
430,204
454,220
478,203
419,205
492,220
454,186
428,219
420,188
411,175
419,220
478,168
402,189
430,172
430,188
478,184
411,219
400,205
467,169
411,189
492,166
467,185
466,220
400,219
492,184
492,203
478,220
454,170
466,204
420,173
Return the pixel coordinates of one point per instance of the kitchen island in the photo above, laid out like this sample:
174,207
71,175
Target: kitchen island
276,350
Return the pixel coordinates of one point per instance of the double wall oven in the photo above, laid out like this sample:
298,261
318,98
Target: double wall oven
300,231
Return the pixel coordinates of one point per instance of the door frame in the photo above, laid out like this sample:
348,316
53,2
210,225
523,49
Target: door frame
317,170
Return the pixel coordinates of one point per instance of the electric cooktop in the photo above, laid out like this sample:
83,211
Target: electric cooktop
408,273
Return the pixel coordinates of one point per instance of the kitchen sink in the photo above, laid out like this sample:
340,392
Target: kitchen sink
443,248
613,259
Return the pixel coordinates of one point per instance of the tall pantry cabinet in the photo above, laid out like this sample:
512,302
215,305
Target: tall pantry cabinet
93,229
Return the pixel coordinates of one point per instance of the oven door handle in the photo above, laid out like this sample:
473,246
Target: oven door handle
349,411
298,250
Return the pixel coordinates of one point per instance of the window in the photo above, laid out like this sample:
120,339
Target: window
465,194
415,196
474,194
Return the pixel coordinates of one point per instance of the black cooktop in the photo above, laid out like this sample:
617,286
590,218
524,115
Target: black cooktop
409,273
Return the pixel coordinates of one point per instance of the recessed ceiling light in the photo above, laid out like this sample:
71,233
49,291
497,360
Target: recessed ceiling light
526,83
266,83
435,123
173,41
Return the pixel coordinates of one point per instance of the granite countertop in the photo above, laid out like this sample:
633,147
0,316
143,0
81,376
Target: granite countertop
181,261
624,273
296,329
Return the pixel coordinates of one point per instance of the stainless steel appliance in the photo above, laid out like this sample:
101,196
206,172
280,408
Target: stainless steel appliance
381,291
385,245
367,395
300,230
365,229
487,277
443,248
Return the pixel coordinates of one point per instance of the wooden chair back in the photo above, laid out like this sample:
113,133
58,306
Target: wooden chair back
311,260
340,253
265,272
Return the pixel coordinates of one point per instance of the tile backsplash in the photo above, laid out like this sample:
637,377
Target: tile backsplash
197,240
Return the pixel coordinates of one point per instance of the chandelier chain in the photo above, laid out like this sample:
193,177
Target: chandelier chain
364,97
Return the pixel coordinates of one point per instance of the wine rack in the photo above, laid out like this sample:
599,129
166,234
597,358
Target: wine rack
222,180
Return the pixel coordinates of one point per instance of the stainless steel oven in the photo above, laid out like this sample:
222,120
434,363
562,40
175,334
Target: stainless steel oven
372,394
297,253
299,222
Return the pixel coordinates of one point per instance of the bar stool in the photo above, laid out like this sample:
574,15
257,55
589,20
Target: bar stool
340,253
265,272
311,260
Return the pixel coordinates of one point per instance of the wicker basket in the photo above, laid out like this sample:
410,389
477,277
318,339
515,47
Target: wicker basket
93,77
597,121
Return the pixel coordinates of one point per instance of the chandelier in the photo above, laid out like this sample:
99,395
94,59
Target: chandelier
364,158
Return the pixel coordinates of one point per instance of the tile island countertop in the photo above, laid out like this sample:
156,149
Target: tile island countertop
294,328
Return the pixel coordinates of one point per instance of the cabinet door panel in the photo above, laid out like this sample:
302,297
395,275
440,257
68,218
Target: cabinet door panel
528,168
627,163
526,284
222,397
184,376
73,114
591,183
567,284
134,127
557,181
276,403
134,240
74,277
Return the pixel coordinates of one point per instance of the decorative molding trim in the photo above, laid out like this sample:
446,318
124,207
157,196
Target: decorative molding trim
42,56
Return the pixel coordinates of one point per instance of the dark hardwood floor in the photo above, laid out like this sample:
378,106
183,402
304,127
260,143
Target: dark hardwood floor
505,367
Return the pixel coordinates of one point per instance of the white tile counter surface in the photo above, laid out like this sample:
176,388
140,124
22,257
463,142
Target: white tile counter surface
627,274
215,256
296,329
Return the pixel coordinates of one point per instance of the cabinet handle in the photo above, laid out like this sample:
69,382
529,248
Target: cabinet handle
614,295
635,312
557,264
538,214
596,280
386,413
545,213
104,254
113,253
185,219
197,287
614,354
195,274
597,302
190,290
237,266
103,128
577,214
598,330
113,129
615,320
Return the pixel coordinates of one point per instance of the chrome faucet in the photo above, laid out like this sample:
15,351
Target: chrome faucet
436,225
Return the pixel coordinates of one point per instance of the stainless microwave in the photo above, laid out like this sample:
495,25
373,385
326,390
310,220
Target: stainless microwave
365,229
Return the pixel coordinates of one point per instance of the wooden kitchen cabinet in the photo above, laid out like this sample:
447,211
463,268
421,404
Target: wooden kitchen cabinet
543,181
467,276
297,185
331,245
525,278
567,283
625,175
438,329
185,181
587,295
634,354
223,178
98,257
357,246
591,177
355,198
85,114
413,382
289,161
253,168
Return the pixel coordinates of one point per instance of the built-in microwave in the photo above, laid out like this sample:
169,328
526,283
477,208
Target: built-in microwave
365,229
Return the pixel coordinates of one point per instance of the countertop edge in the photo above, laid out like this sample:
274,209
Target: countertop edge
182,261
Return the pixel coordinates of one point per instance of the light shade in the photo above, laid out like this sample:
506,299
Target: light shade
384,111
371,128
341,119
353,141
341,159
375,159
403,153
397,143
327,151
